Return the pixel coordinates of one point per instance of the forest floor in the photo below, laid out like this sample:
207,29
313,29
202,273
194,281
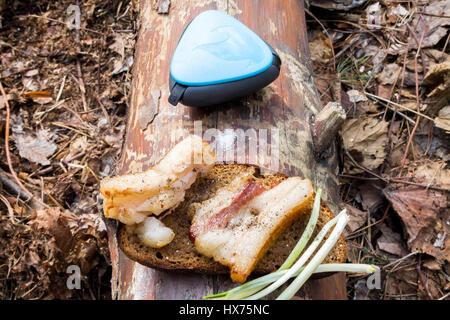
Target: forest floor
63,113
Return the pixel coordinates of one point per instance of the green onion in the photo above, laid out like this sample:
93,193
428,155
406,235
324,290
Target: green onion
300,262
235,294
317,259
306,234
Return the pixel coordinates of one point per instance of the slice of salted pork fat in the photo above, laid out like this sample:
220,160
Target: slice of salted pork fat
135,199
239,224
131,198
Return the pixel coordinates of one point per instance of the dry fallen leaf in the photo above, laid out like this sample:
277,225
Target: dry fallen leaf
401,284
371,196
390,72
77,237
36,147
426,218
374,16
54,223
438,81
432,264
120,44
358,218
356,96
320,49
433,22
433,173
3,100
361,290
365,139
76,147
435,281
397,12
114,136
391,242
443,119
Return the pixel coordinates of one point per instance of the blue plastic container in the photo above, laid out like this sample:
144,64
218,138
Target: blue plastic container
219,59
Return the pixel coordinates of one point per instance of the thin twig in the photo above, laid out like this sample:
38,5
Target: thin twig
12,186
422,280
444,296
391,125
360,166
417,100
61,88
391,92
385,214
328,35
419,185
397,105
357,177
12,219
418,42
395,110
57,21
387,180
35,201
398,261
362,28
78,65
445,45
8,155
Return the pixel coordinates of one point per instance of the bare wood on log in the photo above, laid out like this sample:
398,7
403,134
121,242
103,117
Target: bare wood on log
326,125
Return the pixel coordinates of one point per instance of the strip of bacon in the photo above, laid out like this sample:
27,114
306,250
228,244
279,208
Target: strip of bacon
130,198
254,227
220,220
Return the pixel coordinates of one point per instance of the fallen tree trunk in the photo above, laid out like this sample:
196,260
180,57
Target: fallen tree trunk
285,109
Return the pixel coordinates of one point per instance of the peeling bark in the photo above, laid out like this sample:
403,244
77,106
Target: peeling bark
326,125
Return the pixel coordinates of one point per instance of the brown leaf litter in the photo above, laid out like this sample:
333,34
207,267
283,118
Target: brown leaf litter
391,242
68,98
365,140
395,144
358,218
39,256
320,48
433,21
443,119
36,147
424,212
437,80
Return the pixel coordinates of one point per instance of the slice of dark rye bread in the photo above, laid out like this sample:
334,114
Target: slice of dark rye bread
181,254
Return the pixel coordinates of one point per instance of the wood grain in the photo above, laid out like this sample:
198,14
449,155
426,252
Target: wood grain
284,109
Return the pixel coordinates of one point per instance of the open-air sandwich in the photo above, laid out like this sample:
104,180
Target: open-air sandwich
188,213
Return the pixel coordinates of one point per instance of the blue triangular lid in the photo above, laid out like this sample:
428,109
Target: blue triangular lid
217,48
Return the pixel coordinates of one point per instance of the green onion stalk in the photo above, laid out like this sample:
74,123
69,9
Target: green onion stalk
293,268
236,293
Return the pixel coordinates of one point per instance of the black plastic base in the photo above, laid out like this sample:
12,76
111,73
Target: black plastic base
201,96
